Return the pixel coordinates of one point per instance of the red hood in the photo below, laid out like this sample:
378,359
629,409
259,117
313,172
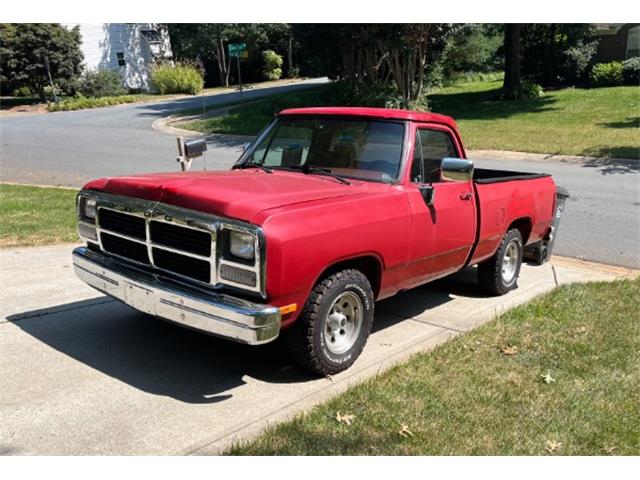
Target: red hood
240,194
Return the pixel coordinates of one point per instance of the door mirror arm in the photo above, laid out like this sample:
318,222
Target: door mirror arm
428,194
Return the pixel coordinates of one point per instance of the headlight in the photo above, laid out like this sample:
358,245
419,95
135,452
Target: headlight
242,245
87,208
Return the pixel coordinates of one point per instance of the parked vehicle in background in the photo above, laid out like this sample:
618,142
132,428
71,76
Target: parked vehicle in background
326,212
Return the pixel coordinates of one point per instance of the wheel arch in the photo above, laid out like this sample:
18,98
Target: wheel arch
524,225
369,264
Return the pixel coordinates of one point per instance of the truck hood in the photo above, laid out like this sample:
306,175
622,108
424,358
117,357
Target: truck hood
239,194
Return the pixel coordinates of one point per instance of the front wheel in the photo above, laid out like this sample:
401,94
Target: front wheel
499,274
334,325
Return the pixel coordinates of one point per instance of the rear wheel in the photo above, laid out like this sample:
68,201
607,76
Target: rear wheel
499,274
334,325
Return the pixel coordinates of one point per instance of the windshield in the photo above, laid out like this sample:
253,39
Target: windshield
355,148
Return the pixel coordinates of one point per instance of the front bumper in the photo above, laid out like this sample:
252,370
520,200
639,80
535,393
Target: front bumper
215,313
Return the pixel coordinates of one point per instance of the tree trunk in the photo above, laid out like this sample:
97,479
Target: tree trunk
223,65
290,57
512,56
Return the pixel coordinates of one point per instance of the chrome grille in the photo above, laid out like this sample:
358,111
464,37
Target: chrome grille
181,250
182,238
173,239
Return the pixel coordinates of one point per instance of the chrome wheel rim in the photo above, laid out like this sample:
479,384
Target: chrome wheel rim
510,262
343,323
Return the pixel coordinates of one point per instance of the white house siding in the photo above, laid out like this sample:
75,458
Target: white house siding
101,43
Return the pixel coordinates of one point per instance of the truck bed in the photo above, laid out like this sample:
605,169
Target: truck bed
504,197
487,175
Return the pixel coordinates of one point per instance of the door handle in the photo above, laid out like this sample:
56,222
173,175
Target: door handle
465,196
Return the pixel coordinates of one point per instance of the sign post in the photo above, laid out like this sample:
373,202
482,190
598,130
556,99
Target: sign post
238,50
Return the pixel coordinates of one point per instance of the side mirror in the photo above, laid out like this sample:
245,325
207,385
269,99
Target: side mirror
188,150
428,194
456,170
195,148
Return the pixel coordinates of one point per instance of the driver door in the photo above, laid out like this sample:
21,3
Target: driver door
443,232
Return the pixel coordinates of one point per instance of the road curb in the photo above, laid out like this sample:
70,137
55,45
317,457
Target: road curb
603,268
508,155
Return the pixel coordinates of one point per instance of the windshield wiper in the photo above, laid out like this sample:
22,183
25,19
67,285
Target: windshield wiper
320,171
254,165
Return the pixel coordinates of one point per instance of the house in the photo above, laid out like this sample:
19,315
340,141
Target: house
617,41
129,48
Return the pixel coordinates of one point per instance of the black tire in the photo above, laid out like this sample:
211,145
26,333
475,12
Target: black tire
490,272
305,340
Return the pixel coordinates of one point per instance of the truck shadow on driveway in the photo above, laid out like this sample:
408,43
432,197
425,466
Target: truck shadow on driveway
168,360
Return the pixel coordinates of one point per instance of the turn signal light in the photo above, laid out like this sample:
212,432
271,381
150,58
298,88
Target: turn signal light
288,308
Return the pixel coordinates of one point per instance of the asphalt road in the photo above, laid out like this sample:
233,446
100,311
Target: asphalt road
69,148
601,222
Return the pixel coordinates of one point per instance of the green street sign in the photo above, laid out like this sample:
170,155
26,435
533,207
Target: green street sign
237,49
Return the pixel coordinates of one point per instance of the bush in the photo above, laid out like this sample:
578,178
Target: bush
22,92
631,71
272,65
294,72
101,83
81,103
51,92
527,89
178,78
606,74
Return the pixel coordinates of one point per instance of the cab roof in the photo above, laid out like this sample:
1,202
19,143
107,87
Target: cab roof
386,113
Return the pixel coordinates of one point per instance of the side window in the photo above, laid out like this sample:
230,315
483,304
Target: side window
435,145
416,164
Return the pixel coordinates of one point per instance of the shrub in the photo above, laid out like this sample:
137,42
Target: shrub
294,72
272,65
606,74
631,71
527,89
23,91
51,92
101,83
178,78
81,103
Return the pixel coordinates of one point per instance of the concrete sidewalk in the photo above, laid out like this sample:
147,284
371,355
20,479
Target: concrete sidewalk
83,374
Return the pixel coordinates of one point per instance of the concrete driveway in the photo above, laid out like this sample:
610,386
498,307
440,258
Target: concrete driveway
83,374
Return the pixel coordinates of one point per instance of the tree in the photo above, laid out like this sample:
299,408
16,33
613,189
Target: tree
384,54
512,76
557,53
473,47
25,49
209,43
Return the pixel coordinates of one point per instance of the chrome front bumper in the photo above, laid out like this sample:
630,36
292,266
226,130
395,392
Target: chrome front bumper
211,312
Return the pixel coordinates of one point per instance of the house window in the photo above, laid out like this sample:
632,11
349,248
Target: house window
151,36
120,57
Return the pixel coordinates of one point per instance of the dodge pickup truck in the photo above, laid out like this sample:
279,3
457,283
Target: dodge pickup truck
327,211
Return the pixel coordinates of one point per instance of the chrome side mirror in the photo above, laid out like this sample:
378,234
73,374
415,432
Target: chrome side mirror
456,170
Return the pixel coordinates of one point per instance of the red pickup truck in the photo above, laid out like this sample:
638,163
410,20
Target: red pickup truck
327,211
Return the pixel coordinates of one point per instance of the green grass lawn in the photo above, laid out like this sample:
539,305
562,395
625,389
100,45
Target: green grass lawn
468,398
602,122
36,215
